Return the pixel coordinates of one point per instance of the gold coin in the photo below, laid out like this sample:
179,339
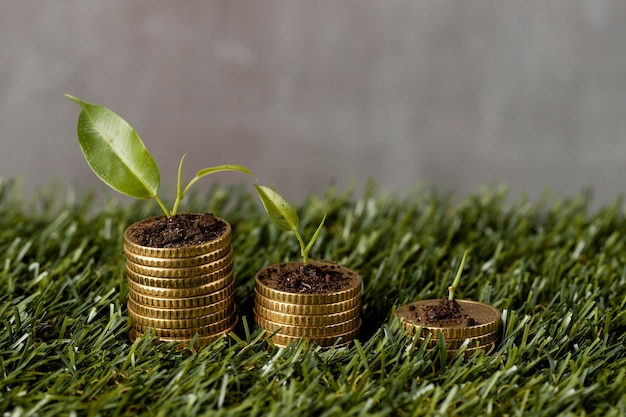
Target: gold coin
343,338
456,343
266,281
309,331
181,252
304,320
205,330
192,271
138,319
200,341
304,309
188,282
186,302
180,313
177,262
182,292
487,317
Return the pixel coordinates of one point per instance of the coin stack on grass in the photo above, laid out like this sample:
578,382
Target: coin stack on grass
322,318
181,292
482,335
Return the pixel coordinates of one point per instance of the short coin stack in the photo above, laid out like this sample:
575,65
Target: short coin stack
325,318
483,335
181,292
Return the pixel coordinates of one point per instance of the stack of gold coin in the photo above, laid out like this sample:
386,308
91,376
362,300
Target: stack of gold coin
481,334
324,318
181,292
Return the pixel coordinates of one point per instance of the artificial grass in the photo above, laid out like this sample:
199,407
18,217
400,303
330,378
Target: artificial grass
556,268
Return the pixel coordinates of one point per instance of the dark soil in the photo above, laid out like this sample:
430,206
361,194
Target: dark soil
445,312
177,231
311,279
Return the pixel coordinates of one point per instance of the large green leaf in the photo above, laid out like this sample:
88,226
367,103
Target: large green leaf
115,152
280,211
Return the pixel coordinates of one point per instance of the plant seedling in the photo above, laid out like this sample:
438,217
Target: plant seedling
116,154
285,217
457,278
446,310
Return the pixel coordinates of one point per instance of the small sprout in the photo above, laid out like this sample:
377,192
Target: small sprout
285,217
116,154
457,279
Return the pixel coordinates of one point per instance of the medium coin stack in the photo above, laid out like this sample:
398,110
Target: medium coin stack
321,318
483,335
181,292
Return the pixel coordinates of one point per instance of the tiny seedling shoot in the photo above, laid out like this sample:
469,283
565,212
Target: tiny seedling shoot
119,158
457,278
285,217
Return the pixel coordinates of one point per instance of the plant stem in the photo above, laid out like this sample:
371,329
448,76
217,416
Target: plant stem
455,283
176,204
165,210
179,195
303,251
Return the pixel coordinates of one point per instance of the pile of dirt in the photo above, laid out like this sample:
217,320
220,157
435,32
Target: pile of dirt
445,312
177,231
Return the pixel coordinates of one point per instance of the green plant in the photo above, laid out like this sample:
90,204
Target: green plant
119,158
285,217
457,278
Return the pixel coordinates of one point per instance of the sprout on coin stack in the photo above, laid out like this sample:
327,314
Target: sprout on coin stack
459,322
319,301
179,266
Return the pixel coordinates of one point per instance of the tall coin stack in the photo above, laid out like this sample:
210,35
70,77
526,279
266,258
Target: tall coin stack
323,318
481,336
181,292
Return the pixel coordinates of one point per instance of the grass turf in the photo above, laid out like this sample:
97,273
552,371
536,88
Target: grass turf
556,269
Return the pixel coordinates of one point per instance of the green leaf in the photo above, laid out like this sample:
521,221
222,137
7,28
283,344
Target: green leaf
180,176
115,152
180,194
280,211
221,168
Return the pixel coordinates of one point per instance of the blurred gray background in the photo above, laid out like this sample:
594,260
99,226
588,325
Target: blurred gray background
445,94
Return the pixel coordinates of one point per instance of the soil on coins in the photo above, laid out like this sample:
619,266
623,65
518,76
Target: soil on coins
446,312
311,279
177,231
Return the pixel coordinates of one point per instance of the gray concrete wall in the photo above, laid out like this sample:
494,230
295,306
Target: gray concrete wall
448,94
